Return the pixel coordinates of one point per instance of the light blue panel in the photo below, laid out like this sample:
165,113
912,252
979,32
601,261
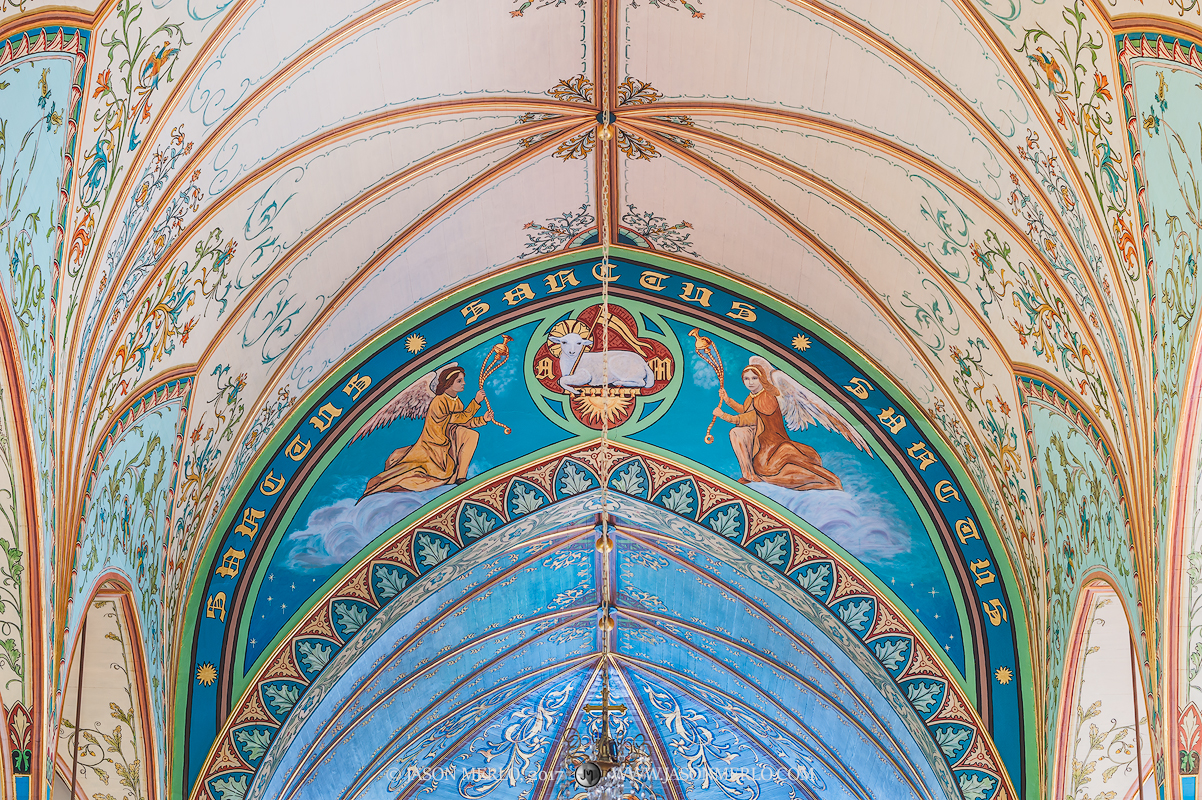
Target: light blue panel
125,529
517,618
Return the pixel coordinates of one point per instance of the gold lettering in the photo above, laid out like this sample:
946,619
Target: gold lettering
271,484
920,453
981,571
542,369
473,311
249,527
662,367
216,606
892,420
600,275
996,612
946,491
859,387
696,294
967,529
741,311
325,416
653,281
355,386
558,281
230,563
297,449
519,293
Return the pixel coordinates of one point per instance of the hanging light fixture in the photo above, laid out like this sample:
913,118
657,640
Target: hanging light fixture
606,760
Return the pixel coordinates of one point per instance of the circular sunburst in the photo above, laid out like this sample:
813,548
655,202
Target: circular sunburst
1003,675
206,674
415,342
801,343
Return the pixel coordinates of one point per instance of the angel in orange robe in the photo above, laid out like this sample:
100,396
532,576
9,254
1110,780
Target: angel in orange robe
760,439
443,451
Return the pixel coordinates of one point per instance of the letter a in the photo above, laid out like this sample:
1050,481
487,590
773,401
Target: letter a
216,606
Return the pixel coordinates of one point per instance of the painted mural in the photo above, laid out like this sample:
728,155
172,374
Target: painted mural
430,410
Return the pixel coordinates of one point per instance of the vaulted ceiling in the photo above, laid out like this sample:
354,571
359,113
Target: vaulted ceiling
964,232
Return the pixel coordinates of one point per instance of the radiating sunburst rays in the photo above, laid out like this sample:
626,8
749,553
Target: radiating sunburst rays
205,674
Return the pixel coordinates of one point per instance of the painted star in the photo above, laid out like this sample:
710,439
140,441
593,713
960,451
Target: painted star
801,343
415,343
1003,675
205,674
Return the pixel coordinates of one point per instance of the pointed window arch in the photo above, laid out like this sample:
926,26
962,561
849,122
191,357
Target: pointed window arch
105,737
1102,742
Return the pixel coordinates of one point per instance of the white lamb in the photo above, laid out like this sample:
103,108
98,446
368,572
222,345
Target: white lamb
625,368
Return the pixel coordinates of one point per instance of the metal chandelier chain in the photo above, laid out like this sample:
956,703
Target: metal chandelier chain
605,134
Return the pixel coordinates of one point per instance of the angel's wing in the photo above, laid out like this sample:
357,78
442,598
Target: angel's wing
802,408
413,403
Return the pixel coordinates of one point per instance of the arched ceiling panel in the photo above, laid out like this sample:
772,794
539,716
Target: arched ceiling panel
282,114
244,238
1088,530
461,244
776,55
947,207
684,686
1102,735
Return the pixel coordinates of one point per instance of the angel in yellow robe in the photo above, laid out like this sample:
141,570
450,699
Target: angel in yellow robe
443,451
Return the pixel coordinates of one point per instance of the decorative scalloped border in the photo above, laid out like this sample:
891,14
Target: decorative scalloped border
226,761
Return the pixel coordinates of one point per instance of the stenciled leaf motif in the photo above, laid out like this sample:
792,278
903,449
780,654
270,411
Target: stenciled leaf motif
630,480
815,579
315,655
678,500
577,89
773,550
855,615
951,739
282,696
478,523
432,552
254,742
391,581
525,501
975,787
891,654
574,480
726,523
350,618
634,92
232,788
704,761
922,695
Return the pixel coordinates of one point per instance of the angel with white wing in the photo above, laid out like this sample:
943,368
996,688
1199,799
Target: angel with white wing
760,439
443,451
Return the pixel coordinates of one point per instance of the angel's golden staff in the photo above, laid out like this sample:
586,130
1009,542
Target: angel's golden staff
495,358
706,348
